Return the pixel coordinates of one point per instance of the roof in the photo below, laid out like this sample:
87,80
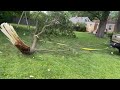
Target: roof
79,19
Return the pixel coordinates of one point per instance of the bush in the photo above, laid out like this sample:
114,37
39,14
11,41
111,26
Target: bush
81,27
109,34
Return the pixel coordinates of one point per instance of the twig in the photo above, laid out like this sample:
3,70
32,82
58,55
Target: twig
61,44
51,50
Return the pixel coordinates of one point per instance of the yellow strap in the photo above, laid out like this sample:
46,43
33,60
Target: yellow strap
90,49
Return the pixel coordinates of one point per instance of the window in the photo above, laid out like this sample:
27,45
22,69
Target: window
110,26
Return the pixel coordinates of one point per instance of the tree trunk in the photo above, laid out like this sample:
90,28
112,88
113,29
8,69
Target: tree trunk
32,48
101,29
9,31
102,25
117,25
22,47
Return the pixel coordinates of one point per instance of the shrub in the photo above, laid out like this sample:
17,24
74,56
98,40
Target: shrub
81,27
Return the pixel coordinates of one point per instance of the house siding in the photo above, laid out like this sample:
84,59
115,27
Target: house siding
109,27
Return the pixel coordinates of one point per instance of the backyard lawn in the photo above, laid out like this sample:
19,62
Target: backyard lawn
74,63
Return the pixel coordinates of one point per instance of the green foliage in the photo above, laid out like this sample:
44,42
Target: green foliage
61,26
40,17
109,34
113,15
81,27
64,25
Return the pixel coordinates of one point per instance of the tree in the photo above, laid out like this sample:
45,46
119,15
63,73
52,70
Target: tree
117,25
101,15
113,15
102,25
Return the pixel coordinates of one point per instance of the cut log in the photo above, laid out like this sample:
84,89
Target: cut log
9,31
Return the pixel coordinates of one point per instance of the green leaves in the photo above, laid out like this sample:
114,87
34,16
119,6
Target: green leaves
61,26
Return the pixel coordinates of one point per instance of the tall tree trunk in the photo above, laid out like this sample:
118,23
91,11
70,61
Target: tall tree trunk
117,25
101,29
102,25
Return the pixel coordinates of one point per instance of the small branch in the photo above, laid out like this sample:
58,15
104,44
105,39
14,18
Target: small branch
43,29
61,44
51,50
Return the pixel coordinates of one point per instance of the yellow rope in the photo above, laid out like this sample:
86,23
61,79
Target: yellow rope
90,49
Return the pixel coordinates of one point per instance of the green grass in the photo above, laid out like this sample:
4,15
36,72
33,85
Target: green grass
73,64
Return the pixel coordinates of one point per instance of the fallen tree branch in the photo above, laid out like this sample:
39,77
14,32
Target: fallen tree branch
9,31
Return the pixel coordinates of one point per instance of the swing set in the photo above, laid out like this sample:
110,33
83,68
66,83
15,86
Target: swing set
26,19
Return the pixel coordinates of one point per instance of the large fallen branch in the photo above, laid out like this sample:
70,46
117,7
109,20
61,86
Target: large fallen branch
9,31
